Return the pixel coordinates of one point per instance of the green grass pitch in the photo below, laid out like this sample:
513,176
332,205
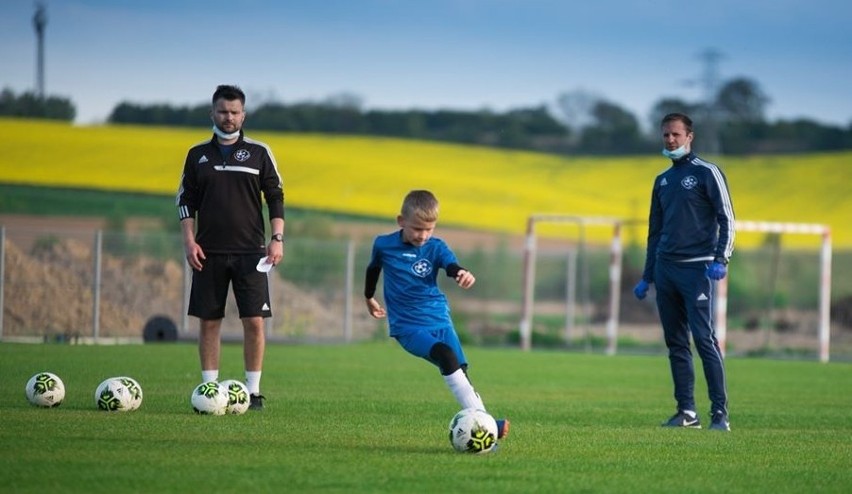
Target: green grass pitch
370,418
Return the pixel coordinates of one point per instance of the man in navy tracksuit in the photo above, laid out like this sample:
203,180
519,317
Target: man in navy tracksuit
690,239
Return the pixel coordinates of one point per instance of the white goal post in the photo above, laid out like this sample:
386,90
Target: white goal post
582,222
824,232
615,270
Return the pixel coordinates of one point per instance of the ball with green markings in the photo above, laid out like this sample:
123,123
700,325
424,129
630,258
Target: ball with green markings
210,398
45,389
473,431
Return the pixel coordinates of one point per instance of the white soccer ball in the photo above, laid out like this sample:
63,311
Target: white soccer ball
210,398
113,395
135,390
45,390
473,431
238,396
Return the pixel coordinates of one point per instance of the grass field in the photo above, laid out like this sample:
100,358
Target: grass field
480,188
369,418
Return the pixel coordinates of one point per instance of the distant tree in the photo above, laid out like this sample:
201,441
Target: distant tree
29,105
784,136
741,100
574,108
614,131
396,123
345,100
160,114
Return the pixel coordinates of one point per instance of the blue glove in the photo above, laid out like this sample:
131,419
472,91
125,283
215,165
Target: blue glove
641,289
717,271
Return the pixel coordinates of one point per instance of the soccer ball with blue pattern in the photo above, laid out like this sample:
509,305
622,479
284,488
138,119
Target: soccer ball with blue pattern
210,398
473,431
45,389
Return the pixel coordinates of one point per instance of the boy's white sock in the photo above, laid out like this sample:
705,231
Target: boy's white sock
209,375
253,382
463,391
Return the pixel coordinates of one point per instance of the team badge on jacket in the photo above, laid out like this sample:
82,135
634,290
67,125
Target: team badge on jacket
689,182
242,155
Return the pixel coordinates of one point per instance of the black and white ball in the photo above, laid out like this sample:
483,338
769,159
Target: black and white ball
473,431
45,389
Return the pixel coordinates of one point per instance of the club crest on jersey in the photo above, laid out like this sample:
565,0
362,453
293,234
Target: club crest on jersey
242,155
689,182
421,268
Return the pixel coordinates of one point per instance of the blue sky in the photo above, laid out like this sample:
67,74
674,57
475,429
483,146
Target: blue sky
462,54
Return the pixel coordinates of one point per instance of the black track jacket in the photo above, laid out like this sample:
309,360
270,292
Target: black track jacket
225,194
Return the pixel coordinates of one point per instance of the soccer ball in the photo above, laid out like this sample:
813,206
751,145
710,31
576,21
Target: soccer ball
113,395
210,398
473,431
135,390
45,390
238,396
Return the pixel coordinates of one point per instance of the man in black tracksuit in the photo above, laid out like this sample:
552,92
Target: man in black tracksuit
690,239
220,207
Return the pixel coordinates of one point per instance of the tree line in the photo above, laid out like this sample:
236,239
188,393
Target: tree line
29,105
579,122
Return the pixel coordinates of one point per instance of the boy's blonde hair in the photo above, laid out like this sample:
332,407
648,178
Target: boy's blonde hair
420,204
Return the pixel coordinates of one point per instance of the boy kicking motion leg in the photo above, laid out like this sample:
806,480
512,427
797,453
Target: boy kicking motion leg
418,312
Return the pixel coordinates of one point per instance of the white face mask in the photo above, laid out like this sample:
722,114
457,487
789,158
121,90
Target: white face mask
676,154
227,137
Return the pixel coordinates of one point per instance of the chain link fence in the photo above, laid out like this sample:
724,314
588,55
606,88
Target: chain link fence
82,285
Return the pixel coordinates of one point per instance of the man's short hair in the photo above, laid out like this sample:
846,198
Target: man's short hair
678,117
229,93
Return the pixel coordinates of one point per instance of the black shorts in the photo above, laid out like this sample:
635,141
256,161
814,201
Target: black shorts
210,287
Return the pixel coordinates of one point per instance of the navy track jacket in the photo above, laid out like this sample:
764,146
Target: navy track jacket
692,217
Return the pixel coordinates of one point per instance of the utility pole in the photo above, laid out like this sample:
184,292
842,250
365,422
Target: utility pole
710,82
39,23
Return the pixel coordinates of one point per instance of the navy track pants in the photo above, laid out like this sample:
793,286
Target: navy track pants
685,303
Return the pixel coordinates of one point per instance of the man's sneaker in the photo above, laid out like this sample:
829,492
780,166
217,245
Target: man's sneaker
683,419
502,428
720,422
256,402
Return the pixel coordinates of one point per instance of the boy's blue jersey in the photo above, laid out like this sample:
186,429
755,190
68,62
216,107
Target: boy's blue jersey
412,297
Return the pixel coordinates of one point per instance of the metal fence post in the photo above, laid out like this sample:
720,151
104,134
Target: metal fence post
96,286
187,284
2,274
347,301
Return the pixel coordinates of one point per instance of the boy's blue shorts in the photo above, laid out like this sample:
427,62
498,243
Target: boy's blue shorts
420,343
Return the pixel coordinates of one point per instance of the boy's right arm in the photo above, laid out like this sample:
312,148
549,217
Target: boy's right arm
371,280
375,308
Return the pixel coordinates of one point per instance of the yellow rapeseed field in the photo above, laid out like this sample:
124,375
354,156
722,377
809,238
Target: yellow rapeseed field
479,188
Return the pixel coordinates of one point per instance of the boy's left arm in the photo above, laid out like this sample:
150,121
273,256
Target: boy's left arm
463,277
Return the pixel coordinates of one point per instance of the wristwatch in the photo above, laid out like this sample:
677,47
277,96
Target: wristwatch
278,237
721,260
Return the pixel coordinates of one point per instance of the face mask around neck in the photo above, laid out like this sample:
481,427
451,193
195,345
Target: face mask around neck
224,136
676,154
